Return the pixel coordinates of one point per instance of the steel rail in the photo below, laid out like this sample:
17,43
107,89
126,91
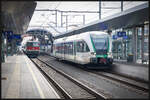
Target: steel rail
123,82
88,89
144,89
130,77
59,88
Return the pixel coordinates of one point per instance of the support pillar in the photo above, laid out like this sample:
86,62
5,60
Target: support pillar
99,9
2,48
83,19
66,22
61,18
56,17
12,47
121,6
142,44
134,44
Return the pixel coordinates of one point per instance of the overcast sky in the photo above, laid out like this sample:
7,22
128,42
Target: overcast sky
47,18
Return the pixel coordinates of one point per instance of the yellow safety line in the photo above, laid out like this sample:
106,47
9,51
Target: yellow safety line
36,82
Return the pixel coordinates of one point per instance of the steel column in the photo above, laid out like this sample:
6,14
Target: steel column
66,22
121,5
99,9
142,44
56,17
61,18
83,19
134,44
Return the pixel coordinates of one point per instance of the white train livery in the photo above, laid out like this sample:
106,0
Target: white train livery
85,48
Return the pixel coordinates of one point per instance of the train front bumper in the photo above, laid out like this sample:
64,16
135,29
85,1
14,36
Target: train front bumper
96,60
32,52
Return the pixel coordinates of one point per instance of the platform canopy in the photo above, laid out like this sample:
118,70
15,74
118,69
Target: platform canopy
132,17
16,15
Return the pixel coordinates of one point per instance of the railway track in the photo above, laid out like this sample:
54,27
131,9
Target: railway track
93,93
143,87
128,81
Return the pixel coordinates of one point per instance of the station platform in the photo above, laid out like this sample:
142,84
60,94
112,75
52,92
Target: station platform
20,78
138,63
138,71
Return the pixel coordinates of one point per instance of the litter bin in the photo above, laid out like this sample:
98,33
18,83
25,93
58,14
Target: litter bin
130,58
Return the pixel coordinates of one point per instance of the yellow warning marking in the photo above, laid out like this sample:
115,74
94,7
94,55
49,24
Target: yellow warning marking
35,80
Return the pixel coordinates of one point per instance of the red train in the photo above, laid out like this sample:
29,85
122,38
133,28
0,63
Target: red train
32,48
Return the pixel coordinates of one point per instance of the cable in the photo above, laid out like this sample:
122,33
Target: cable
45,20
54,28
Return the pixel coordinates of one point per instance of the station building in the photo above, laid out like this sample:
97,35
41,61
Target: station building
134,46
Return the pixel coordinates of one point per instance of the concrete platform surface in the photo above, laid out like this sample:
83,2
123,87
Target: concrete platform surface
140,72
22,79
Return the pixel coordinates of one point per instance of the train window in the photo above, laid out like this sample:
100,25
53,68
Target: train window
62,48
87,48
65,48
29,44
82,46
34,44
71,48
79,47
68,47
58,48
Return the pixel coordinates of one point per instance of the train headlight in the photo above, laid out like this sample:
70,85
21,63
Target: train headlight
93,53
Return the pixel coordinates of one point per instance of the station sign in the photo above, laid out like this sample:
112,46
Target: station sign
9,33
15,36
114,37
125,37
121,33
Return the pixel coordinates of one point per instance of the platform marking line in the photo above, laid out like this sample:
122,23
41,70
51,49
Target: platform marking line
35,80
13,88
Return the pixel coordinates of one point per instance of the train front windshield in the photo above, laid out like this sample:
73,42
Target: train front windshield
33,44
100,44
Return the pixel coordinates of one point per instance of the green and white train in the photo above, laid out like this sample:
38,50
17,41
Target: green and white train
85,48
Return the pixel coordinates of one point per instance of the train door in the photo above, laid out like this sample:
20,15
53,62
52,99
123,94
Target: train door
63,51
74,50
82,52
79,52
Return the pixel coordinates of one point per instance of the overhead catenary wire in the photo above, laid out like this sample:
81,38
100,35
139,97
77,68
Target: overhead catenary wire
125,4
